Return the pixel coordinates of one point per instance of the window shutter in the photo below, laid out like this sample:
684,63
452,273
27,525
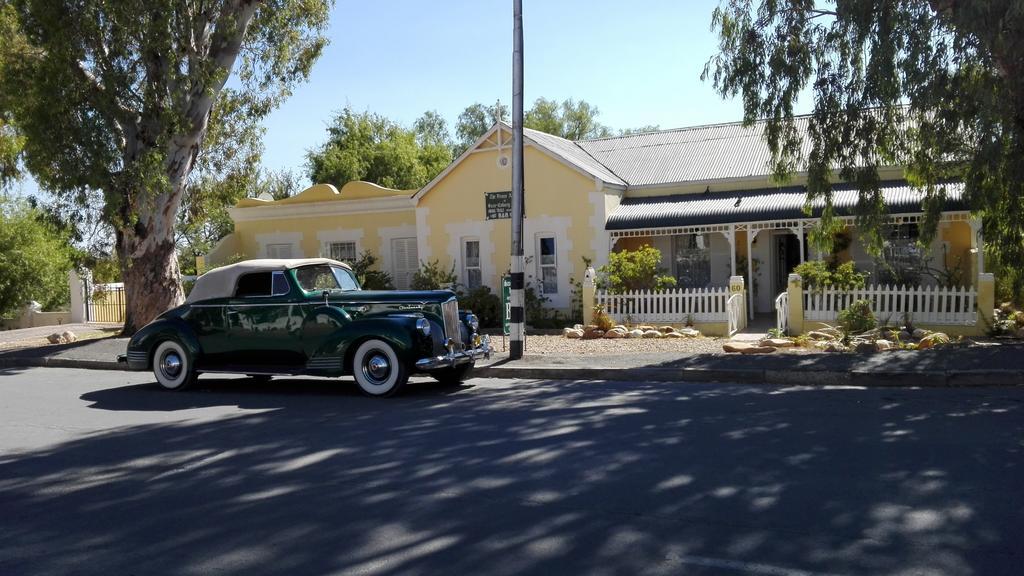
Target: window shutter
404,261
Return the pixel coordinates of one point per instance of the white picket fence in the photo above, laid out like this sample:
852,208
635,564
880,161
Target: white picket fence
782,312
891,304
671,306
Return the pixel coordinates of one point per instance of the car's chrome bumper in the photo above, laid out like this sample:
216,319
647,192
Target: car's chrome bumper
457,358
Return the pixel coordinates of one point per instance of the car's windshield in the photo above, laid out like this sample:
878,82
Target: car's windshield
325,277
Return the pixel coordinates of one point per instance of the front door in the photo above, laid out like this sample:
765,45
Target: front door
785,260
264,322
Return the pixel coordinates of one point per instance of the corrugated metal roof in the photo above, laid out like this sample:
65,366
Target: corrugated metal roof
762,204
692,154
574,154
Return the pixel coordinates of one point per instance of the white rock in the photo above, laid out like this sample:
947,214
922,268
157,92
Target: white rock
652,334
689,332
68,336
572,333
636,333
777,342
881,345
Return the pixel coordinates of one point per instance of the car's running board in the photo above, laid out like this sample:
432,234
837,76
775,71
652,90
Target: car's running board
255,371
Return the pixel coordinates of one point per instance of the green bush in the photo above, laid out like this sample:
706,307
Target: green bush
370,278
431,276
819,274
486,305
858,318
634,270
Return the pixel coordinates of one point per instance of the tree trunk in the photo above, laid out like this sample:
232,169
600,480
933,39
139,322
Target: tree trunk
151,281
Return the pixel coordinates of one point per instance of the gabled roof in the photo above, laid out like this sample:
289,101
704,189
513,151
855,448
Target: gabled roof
572,153
694,154
763,204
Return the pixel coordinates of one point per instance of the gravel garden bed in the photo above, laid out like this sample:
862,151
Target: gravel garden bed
560,346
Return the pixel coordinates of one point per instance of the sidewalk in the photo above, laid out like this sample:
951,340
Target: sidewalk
993,364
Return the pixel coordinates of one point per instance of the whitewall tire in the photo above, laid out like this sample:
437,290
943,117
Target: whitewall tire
377,369
172,366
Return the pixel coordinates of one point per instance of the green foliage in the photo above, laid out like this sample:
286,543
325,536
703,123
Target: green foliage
820,274
776,333
475,121
431,276
858,318
34,258
485,304
370,278
129,98
571,119
370,147
933,86
634,270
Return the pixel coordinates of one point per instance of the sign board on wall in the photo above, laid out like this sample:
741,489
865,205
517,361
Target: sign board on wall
498,205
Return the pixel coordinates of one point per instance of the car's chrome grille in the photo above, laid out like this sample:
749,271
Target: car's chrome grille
450,310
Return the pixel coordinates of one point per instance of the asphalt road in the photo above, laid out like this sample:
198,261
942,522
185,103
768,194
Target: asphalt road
103,473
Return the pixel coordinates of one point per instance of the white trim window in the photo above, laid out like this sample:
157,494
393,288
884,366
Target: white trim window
547,263
279,251
472,275
342,251
691,260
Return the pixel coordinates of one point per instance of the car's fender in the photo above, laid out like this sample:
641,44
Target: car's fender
150,335
397,330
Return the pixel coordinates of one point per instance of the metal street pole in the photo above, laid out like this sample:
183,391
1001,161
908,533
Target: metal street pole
517,334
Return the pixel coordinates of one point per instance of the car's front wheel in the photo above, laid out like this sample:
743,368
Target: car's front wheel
172,366
377,369
454,375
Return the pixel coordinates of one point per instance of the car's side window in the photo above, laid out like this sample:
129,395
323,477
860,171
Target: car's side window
254,284
281,286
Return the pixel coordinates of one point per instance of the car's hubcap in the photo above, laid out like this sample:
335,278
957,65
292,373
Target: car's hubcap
377,367
171,366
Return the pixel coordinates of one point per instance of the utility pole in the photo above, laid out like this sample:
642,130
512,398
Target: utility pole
517,334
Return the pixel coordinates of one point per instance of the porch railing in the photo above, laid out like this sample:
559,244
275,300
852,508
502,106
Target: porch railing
671,306
891,304
782,312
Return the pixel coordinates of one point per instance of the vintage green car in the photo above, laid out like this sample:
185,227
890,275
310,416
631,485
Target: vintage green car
307,316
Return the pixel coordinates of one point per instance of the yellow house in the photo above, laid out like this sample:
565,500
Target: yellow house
703,196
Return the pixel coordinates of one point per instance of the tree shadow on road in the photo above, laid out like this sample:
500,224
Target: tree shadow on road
526,477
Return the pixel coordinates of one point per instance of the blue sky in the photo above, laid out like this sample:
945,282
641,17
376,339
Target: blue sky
639,62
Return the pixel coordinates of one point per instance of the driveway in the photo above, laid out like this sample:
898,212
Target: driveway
103,473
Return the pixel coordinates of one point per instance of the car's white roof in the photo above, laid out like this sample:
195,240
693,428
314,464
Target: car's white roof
220,282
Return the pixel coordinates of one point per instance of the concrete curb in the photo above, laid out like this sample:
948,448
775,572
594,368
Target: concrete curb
62,363
924,379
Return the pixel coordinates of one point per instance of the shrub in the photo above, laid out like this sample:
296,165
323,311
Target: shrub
431,276
369,278
819,274
635,270
483,303
601,319
858,318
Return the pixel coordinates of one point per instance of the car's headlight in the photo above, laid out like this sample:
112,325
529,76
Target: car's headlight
423,325
473,322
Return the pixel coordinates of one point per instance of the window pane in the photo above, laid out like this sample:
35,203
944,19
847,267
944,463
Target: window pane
547,250
692,259
473,278
316,278
279,250
346,279
343,251
280,284
253,284
549,279
472,253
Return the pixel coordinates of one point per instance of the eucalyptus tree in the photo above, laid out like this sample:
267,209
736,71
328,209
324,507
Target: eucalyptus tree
117,96
936,85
